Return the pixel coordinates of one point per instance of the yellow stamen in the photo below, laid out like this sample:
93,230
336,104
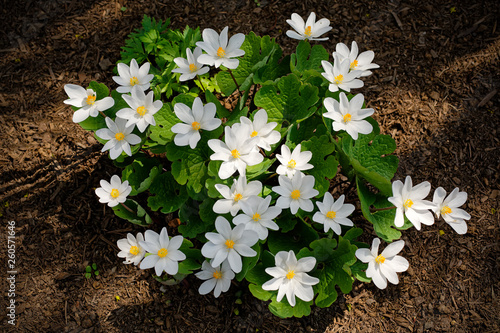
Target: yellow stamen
445,210
119,136
292,164
162,252
295,194
221,53
238,197
380,259
229,243
141,110
192,68
338,79
354,64
347,118
308,32
331,214
408,203
290,274
115,193
217,275
256,217
195,125
91,99
254,134
134,80
235,153
134,250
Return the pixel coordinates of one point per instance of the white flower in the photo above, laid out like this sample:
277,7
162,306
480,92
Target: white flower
258,216
448,208
130,248
261,129
217,279
385,266
237,152
348,115
296,192
113,193
120,137
229,244
85,99
133,76
219,51
142,109
191,67
310,29
199,118
363,62
339,75
293,161
410,201
333,213
290,278
165,252
239,192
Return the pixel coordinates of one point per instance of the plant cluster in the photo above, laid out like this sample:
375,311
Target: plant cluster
252,185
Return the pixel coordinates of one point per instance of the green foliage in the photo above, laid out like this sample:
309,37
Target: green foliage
133,212
325,164
167,194
141,173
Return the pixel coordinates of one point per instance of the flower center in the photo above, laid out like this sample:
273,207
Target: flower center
292,164
331,214
445,210
221,53
235,153
134,80
115,193
290,274
254,134
162,252
338,79
295,194
217,275
238,197
229,243
408,203
308,32
141,110
347,118
380,259
119,136
134,250
195,125
256,217
192,68
91,99
354,64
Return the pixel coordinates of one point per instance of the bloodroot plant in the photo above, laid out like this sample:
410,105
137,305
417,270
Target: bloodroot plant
252,186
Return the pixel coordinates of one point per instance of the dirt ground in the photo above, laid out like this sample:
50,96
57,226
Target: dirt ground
436,93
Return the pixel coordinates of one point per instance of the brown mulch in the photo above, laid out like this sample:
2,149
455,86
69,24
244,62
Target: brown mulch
436,93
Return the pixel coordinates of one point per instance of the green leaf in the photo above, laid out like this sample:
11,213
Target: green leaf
312,126
222,112
141,173
191,223
288,101
165,118
306,58
249,262
257,276
358,271
286,221
256,170
213,173
257,52
369,156
167,194
383,221
193,258
325,165
283,309
275,68
296,239
138,216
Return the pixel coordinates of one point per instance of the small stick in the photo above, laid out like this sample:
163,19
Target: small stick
102,114
236,83
199,79
381,209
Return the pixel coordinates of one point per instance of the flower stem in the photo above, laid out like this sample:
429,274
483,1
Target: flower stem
127,208
201,84
236,83
380,209
102,114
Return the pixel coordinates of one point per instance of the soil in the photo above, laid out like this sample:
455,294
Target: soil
436,93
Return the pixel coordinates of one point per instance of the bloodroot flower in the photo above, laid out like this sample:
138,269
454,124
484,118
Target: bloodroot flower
291,162
85,100
333,213
385,266
448,208
339,75
130,248
142,109
133,76
217,279
164,252
219,50
113,193
363,62
310,29
120,137
190,67
296,192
